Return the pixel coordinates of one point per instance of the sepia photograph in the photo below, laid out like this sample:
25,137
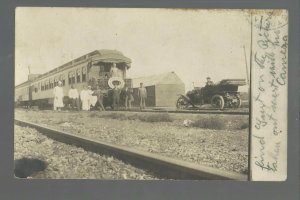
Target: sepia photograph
141,94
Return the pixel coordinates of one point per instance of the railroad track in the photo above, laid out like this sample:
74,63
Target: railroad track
161,166
202,111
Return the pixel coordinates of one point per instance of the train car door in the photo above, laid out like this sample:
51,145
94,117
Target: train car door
93,75
30,90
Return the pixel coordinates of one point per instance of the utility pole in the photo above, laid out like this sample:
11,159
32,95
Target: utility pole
29,69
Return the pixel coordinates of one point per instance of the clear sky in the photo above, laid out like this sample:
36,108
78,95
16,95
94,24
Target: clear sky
192,43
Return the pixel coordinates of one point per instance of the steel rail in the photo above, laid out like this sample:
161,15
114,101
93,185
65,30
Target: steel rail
194,112
160,166
201,111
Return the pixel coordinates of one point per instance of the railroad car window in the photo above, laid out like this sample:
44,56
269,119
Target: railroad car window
107,67
71,77
46,85
101,68
84,74
78,75
62,79
55,81
51,83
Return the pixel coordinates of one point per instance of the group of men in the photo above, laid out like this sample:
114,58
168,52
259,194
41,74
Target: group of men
89,97
128,93
86,96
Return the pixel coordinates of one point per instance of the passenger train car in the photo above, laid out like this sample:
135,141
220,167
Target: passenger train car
92,69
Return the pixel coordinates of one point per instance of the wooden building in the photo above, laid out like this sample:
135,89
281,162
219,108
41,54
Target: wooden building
162,89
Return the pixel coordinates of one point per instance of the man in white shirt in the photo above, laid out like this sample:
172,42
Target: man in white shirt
58,96
115,71
92,99
85,99
142,94
74,97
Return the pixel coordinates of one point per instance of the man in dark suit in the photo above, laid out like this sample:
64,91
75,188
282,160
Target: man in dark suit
98,92
116,97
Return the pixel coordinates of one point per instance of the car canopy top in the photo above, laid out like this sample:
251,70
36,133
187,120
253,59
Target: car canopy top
237,82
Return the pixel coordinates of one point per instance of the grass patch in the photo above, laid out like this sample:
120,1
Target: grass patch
94,114
244,126
159,117
61,121
210,123
119,116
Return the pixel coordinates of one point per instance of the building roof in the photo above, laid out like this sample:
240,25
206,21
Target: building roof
165,78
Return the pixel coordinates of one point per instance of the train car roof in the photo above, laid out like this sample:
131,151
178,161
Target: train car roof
102,55
107,55
23,84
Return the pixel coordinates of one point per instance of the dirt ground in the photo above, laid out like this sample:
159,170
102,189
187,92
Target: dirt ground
225,148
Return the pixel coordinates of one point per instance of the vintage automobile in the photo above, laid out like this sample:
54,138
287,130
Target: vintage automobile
221,95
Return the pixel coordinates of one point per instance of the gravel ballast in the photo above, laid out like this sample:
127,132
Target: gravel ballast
69,162
225,149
